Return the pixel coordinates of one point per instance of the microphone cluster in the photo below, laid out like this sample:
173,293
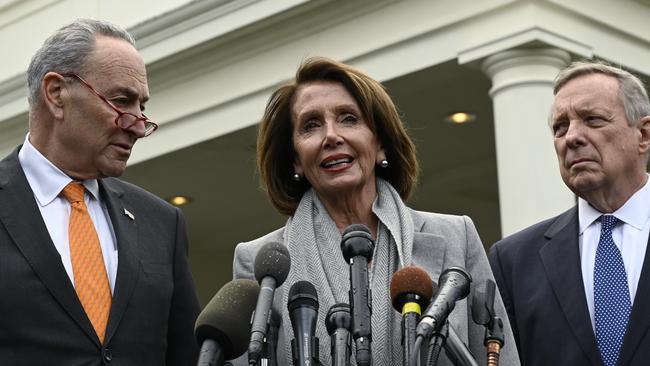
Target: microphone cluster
238,317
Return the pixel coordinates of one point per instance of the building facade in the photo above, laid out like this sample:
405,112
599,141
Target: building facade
212,65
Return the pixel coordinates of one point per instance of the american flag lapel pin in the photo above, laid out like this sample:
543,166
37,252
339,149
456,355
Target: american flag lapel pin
129,214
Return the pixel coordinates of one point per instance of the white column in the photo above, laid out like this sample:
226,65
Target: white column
530,186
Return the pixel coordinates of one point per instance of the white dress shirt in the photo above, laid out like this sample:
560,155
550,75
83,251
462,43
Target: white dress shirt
47,181
630,236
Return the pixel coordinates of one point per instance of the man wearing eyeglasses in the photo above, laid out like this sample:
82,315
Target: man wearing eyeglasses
93,271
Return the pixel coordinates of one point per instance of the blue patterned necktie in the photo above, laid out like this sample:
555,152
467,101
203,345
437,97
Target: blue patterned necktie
611,294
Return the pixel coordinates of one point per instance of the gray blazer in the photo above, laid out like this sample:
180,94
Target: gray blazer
440,241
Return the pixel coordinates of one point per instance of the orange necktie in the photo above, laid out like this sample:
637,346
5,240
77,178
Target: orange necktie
90,279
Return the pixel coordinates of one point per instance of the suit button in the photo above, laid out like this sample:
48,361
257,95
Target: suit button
108,355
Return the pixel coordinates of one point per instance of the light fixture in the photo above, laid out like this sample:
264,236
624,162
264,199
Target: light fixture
460,117
179,200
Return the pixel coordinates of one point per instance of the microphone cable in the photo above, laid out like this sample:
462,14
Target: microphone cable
413,361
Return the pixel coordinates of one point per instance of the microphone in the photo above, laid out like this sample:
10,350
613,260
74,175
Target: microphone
338,323
303,312
272,265
454,285
481,308
411,289
483,314
357,246
223,325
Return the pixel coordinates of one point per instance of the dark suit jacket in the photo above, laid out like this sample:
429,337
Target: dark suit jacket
538,273
154,304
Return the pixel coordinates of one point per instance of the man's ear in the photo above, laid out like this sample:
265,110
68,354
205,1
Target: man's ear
644,130
53,93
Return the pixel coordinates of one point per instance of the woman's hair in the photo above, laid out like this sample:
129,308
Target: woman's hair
275,153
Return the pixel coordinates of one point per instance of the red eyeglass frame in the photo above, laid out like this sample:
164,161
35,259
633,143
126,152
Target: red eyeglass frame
149,125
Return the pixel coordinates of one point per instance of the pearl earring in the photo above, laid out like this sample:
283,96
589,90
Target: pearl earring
296,177
383,163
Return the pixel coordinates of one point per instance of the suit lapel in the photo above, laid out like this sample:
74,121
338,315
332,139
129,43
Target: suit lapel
21,217
561,259
124,224
639,322
428,250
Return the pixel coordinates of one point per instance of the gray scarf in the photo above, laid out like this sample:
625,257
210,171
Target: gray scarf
314,244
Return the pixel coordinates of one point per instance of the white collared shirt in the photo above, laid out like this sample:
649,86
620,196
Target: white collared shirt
630,236
47,181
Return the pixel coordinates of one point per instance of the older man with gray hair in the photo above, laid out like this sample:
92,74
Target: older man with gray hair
577,286
93,270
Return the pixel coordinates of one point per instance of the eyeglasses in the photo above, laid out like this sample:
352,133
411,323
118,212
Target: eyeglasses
124,120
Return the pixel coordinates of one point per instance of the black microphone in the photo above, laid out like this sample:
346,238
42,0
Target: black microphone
339,322
483,314
303,312
223,325
411,289
357,246
481,306
272,265
454,285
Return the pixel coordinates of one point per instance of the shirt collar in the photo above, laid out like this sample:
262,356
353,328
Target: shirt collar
634,212
46,180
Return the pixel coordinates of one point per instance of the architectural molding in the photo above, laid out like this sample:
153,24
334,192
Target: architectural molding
541,66
13,98
13,10
525,37
213,63
202,21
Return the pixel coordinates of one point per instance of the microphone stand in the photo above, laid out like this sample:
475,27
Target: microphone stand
494,340
456,350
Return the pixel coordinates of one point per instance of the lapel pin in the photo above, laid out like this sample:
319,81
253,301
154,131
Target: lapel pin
129,214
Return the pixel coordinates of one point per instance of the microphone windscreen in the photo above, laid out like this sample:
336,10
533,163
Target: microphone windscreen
302,293
357,241
411,280
226,318
480,313
273,260
356,227
483,303
338,316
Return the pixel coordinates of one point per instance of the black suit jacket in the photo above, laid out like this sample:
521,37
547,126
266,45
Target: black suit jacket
539,276
154,304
